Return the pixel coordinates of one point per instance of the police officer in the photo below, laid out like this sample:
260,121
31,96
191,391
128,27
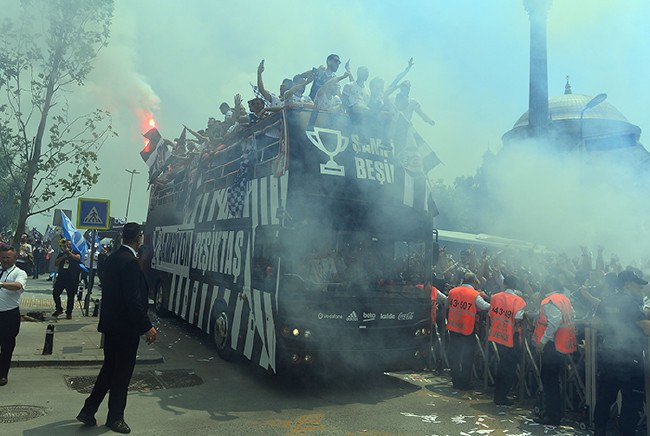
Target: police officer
555,337
620,321
506,313
463,302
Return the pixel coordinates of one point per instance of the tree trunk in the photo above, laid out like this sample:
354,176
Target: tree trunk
32,161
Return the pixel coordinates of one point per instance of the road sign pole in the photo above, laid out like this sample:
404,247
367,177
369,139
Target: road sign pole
91,274
128,201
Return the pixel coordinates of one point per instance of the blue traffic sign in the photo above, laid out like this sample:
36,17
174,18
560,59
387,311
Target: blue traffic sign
93,213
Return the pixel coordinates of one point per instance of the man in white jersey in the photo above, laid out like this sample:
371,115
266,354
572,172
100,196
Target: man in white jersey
12,284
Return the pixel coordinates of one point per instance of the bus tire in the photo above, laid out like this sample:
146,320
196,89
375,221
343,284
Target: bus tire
159,302
221,332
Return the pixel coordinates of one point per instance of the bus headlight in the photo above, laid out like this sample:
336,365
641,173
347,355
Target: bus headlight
295,332
422,332
307,334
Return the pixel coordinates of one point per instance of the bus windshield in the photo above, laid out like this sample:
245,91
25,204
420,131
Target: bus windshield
353,261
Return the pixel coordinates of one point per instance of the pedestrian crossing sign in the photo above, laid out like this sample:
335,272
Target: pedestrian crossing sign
93,213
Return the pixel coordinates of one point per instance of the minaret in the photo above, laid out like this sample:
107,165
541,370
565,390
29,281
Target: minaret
567,87
538,116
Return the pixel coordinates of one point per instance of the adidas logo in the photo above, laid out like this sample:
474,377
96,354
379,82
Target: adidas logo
352,317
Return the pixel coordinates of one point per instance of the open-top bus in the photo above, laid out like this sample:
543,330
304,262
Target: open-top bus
300,243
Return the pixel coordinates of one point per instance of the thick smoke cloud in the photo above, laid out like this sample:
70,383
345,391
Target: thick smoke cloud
471,71
563,200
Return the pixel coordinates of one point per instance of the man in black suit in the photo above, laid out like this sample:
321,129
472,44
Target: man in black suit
123,319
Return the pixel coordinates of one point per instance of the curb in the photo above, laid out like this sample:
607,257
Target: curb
17,362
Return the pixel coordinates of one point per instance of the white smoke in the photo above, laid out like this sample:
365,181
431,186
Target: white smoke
565,200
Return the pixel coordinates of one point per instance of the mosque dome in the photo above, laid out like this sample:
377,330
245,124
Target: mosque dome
569,106
602,128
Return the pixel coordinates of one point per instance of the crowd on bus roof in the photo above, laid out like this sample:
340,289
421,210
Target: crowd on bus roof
362,100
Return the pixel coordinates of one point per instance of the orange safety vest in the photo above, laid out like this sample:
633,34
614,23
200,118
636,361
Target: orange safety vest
462,310
434,300
565,336
503,308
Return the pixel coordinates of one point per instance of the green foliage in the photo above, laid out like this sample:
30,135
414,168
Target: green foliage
50,150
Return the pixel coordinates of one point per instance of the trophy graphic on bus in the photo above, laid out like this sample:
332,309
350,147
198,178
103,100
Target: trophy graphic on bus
330,142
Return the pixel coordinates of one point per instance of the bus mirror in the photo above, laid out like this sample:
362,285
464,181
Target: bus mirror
435,254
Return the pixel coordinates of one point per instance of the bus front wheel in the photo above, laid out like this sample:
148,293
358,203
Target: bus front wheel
221,336
159,302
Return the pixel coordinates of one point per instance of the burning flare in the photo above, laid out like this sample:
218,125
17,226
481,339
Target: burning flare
147,122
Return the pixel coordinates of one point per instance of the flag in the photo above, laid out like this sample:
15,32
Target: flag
78,241
237,192
35,235
50,234
155,153
415,154
258,94
281,162
150,150
180,144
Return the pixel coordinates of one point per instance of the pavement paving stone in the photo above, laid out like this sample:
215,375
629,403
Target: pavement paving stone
76,341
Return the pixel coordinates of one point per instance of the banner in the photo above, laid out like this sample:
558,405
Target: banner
78,241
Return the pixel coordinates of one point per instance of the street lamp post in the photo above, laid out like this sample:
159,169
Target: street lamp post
128,201
592,103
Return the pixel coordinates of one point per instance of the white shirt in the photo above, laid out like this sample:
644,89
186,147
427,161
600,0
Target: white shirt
481,304
520,312
135,253
354,94
9,299
276,101
299,99
325,103
554,321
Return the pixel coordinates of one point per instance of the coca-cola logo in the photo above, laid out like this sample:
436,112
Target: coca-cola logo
405,316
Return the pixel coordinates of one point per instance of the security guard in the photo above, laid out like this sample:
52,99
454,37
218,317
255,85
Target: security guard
555,336
506,313
620,321
463,302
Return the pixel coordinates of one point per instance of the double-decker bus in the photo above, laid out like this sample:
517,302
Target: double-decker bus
298,244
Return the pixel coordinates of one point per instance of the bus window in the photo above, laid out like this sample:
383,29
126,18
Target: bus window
265,258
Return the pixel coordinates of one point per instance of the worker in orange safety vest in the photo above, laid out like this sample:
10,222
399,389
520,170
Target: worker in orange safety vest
463,302
436,297
555,337
506,313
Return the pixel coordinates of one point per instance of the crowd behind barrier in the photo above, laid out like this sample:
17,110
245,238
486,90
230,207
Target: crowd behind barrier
584,280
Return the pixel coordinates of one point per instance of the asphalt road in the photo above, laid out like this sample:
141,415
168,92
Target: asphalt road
236,398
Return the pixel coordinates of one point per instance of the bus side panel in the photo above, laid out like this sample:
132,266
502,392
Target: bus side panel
202,255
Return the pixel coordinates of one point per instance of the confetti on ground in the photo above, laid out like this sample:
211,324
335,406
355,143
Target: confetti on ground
460,419
429,419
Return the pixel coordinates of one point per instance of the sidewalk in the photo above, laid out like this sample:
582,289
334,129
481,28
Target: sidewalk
76,341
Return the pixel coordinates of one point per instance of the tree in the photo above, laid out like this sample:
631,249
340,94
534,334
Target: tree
45,54
9,199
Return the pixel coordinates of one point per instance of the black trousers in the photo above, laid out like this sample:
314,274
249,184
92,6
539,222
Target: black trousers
628,379
70,289
119,360
462,349
507,370
9,327
552,365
